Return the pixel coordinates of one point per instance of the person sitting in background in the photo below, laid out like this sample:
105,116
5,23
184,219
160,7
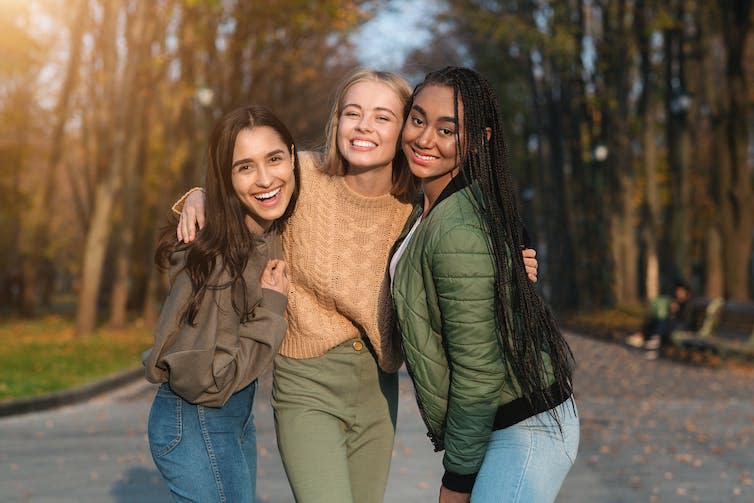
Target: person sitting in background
665,313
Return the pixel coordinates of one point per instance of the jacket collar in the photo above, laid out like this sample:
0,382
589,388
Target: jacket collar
458,182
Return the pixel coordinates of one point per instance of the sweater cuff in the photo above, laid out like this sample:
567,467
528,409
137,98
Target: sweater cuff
274,301
459,483
178,205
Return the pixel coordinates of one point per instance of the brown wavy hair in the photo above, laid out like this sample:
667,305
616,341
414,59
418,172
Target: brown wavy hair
225,239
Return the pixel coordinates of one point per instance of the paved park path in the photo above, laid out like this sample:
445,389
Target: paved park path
652,431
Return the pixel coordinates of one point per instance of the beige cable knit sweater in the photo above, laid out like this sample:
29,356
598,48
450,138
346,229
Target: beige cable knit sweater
336,246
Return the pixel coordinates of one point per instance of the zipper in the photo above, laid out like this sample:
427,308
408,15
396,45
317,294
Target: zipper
437,442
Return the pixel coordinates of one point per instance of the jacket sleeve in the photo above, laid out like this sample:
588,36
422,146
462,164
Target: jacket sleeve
464,277
207,362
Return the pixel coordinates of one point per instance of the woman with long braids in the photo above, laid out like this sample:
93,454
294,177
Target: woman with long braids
491,369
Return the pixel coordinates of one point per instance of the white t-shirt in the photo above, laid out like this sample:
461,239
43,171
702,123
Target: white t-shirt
402,248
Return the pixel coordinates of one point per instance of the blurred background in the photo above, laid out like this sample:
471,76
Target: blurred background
631,126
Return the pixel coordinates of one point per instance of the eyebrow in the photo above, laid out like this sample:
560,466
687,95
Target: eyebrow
249,161
419,109
382,109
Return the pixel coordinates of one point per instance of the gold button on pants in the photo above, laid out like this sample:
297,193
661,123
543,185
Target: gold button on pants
358,345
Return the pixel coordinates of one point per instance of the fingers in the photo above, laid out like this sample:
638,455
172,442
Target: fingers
179,228
530,263
200,219
273,264
183,228
188,218
187,223
531,269
195,205
275,268
275,276
192,215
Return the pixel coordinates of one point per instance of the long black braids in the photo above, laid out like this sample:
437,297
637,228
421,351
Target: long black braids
529,330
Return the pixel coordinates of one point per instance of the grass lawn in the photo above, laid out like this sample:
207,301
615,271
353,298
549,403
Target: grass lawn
41,355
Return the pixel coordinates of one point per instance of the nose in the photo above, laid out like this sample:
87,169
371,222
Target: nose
425,138
364,124
264,177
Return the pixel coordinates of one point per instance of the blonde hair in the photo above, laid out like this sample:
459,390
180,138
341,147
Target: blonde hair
404,184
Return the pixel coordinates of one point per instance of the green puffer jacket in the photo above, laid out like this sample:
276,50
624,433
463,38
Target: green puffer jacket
444,294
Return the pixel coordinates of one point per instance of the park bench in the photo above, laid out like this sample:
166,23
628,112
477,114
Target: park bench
718,327
703,314
734,330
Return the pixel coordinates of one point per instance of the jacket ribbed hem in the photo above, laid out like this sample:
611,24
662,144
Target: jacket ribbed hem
459,483
519,409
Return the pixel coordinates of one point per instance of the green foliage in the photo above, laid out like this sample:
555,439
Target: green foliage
41,356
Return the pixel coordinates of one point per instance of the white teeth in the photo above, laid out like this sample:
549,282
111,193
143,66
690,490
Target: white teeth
363,143
424,157
267,195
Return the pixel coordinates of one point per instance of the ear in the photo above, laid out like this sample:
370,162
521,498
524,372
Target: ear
488,133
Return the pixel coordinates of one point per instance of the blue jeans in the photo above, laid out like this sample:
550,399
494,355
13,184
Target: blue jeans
205,454
528,462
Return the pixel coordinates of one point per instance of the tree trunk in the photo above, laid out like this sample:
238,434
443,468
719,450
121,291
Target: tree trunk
96,243
124,239
736,191
36,252
625,251
554,247
652,284
613,128
133,175
108,190
654,223
647,110
714,271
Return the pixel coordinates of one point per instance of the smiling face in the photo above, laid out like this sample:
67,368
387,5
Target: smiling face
429,136
368,126
262,176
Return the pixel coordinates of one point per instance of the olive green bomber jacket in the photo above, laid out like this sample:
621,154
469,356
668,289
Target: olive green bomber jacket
207,362
444,295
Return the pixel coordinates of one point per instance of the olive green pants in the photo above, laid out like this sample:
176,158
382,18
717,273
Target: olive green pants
335,422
